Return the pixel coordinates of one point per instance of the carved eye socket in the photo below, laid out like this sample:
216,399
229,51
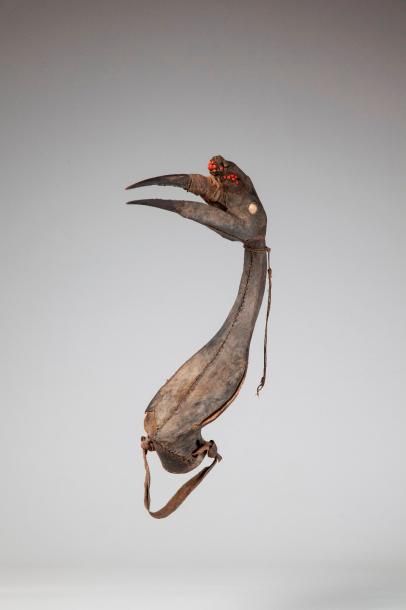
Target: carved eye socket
252,208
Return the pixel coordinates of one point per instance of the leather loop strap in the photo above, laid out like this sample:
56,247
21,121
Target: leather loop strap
186,489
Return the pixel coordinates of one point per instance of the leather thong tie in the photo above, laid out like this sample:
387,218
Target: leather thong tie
208,448
268,310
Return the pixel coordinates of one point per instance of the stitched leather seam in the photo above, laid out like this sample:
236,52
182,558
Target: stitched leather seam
199,377
165,447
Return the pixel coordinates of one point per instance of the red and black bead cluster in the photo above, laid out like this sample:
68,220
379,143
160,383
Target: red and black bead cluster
232,177
213,167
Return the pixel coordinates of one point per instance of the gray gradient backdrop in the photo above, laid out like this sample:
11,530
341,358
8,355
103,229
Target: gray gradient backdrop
101,302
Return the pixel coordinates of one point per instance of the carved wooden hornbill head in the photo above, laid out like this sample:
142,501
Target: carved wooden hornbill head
233,208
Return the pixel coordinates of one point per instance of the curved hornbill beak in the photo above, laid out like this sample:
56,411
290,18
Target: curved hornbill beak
181,180
210,215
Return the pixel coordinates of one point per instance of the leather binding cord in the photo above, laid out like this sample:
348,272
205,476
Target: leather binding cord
209,448
268,310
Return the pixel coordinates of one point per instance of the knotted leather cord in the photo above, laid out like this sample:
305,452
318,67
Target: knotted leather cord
268,310
180,496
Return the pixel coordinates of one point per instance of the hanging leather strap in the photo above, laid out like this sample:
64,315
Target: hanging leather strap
180,496
268,310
